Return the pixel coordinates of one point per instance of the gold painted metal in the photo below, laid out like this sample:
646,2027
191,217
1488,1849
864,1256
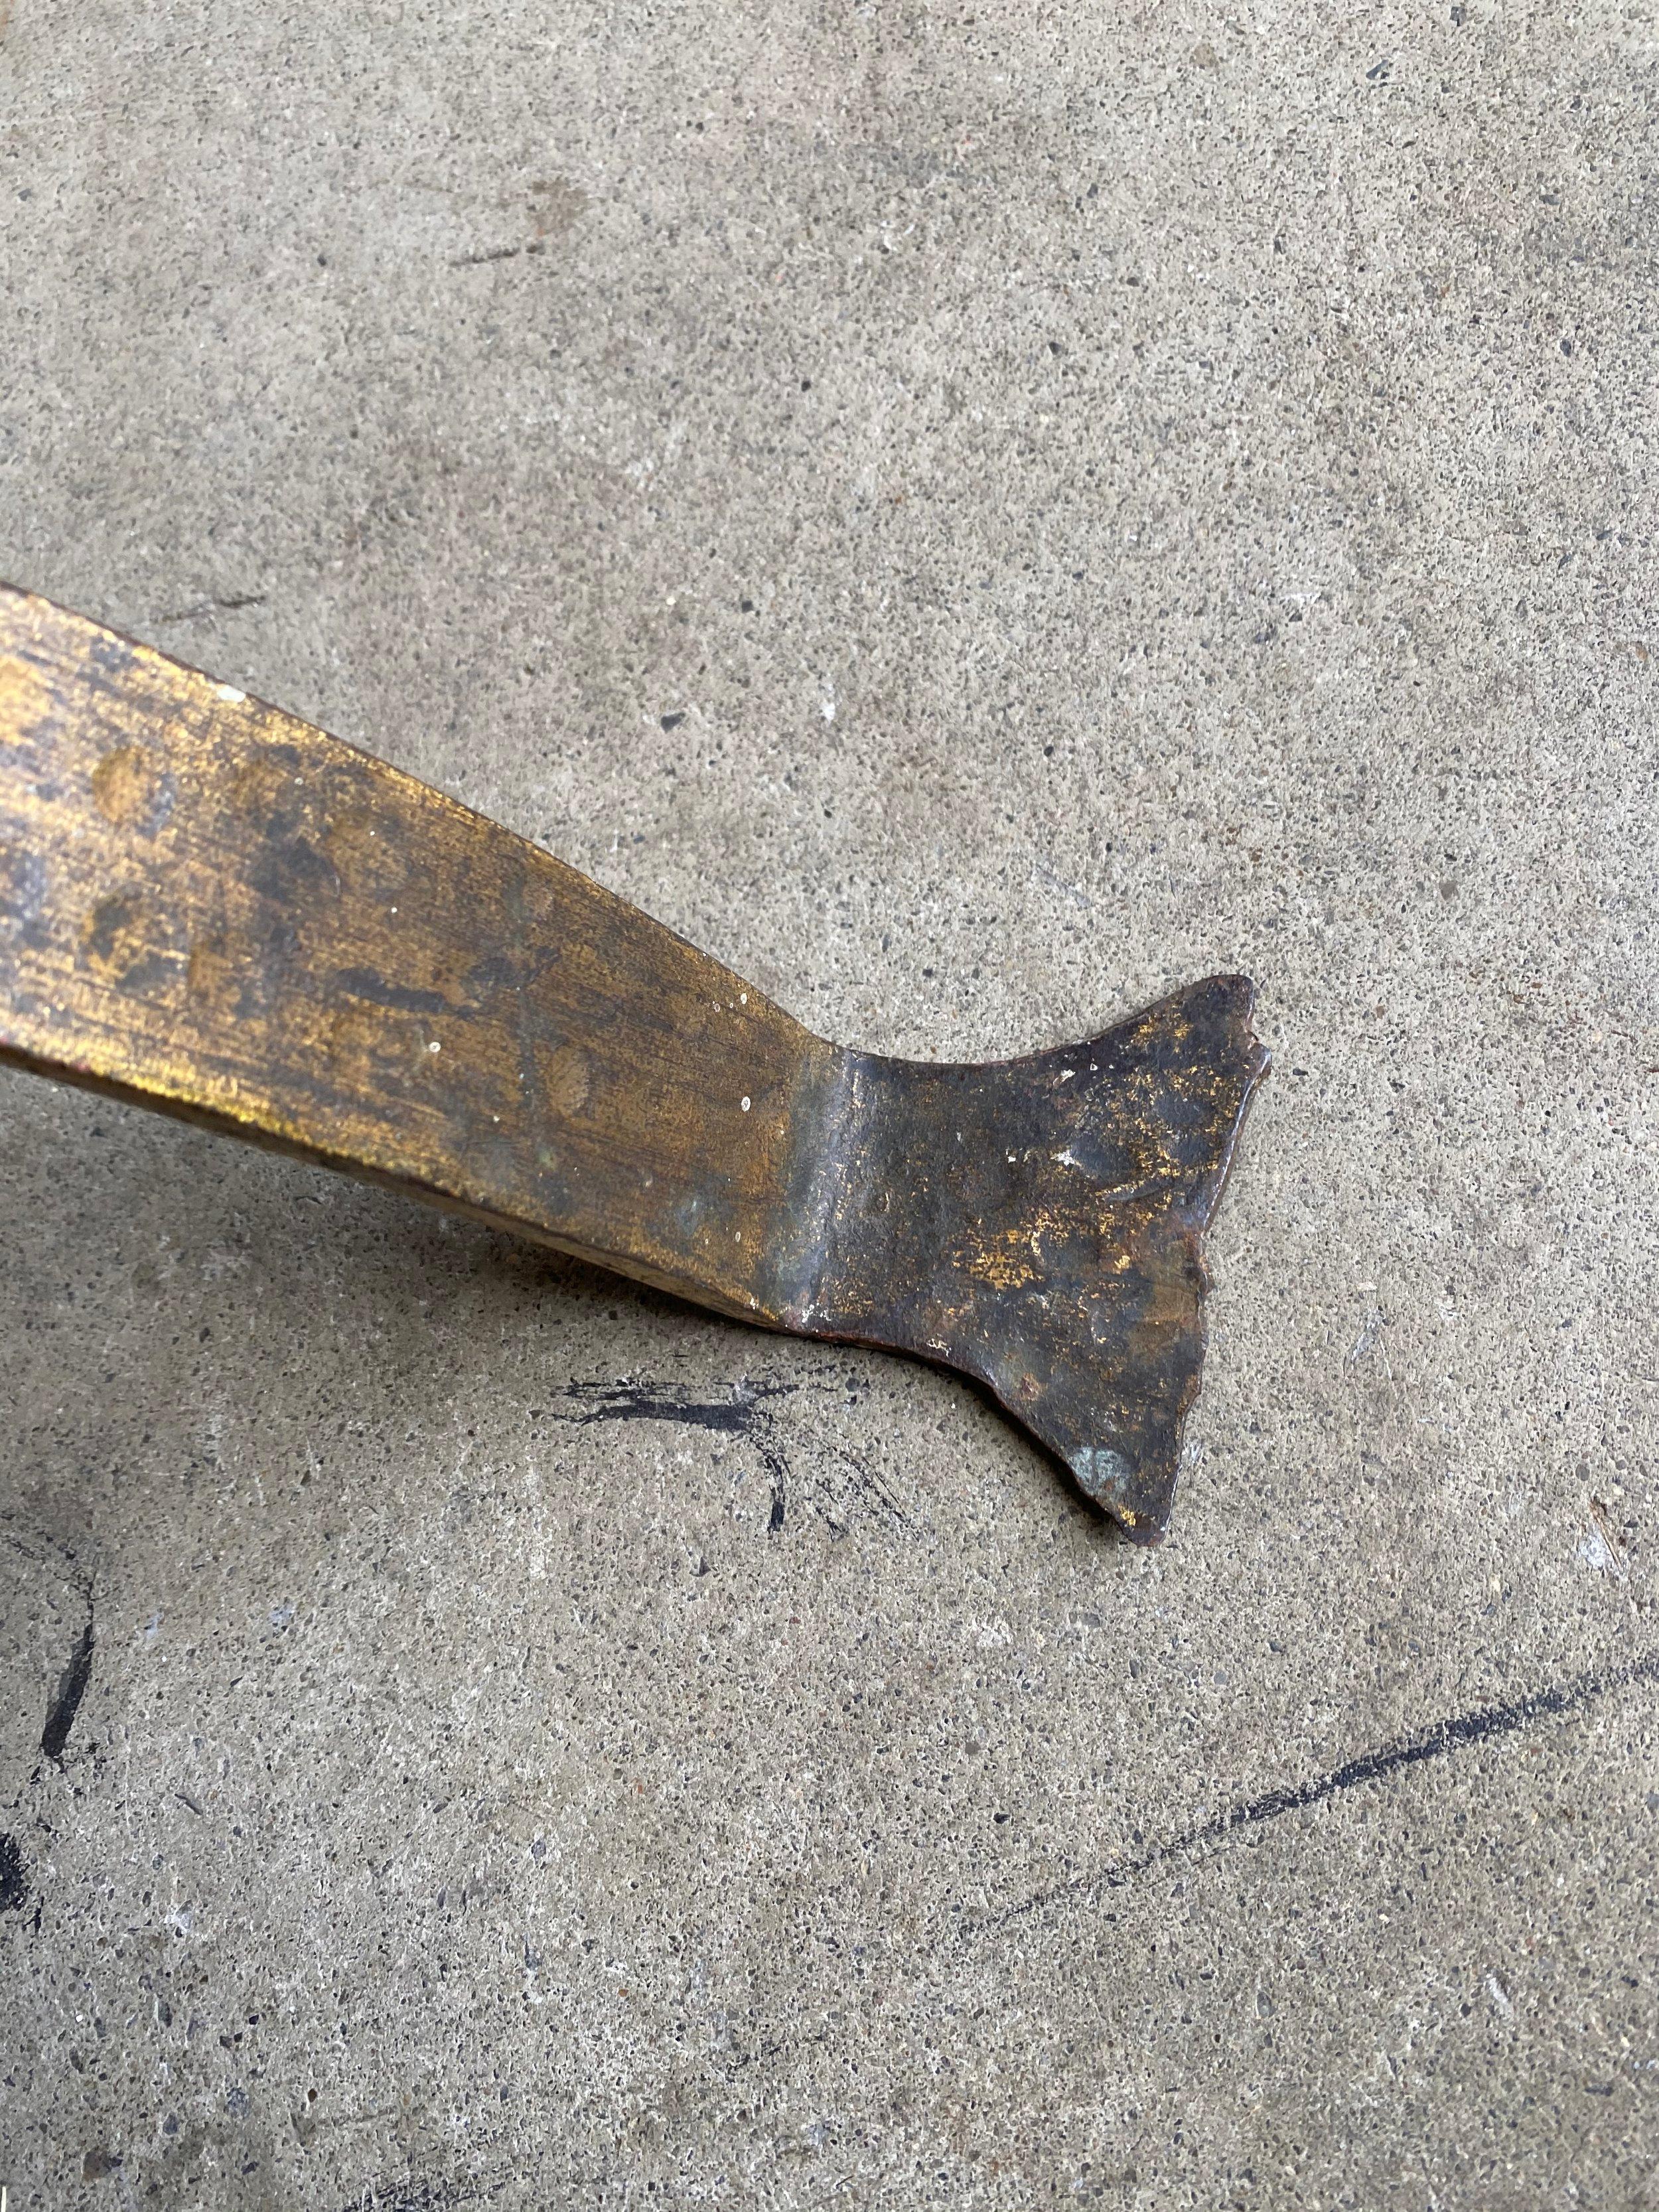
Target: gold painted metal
211,907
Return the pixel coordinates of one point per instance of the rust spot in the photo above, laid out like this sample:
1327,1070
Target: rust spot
1174,1291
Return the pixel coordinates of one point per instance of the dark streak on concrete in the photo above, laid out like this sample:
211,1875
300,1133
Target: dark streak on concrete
71,1688
418,2193
496,254
738,2059
195,611
13,1881
1435,1741
742,1413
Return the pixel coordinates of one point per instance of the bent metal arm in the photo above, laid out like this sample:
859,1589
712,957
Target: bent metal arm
211,907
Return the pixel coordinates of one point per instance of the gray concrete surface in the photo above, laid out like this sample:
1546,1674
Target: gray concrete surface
1107,495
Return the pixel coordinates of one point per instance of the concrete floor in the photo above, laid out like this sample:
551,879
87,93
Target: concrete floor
976,517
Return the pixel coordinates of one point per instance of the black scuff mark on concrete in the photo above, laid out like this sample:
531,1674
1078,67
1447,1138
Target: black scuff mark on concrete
743,1411
435,2193
71,1688
214,605
848,1485
1439,1741
735,2060
837,1484
497,253
14,1876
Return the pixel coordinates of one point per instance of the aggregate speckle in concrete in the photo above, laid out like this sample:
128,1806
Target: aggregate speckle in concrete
975,515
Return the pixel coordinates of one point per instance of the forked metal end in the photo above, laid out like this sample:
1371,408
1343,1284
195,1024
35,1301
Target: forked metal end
1037,1223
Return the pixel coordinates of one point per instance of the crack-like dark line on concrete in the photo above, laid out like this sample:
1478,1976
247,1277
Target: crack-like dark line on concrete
71,1688
1435,1742
14,1876
497,253
64,1703
231,606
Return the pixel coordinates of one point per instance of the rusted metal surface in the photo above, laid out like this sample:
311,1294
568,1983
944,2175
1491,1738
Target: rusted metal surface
211,907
